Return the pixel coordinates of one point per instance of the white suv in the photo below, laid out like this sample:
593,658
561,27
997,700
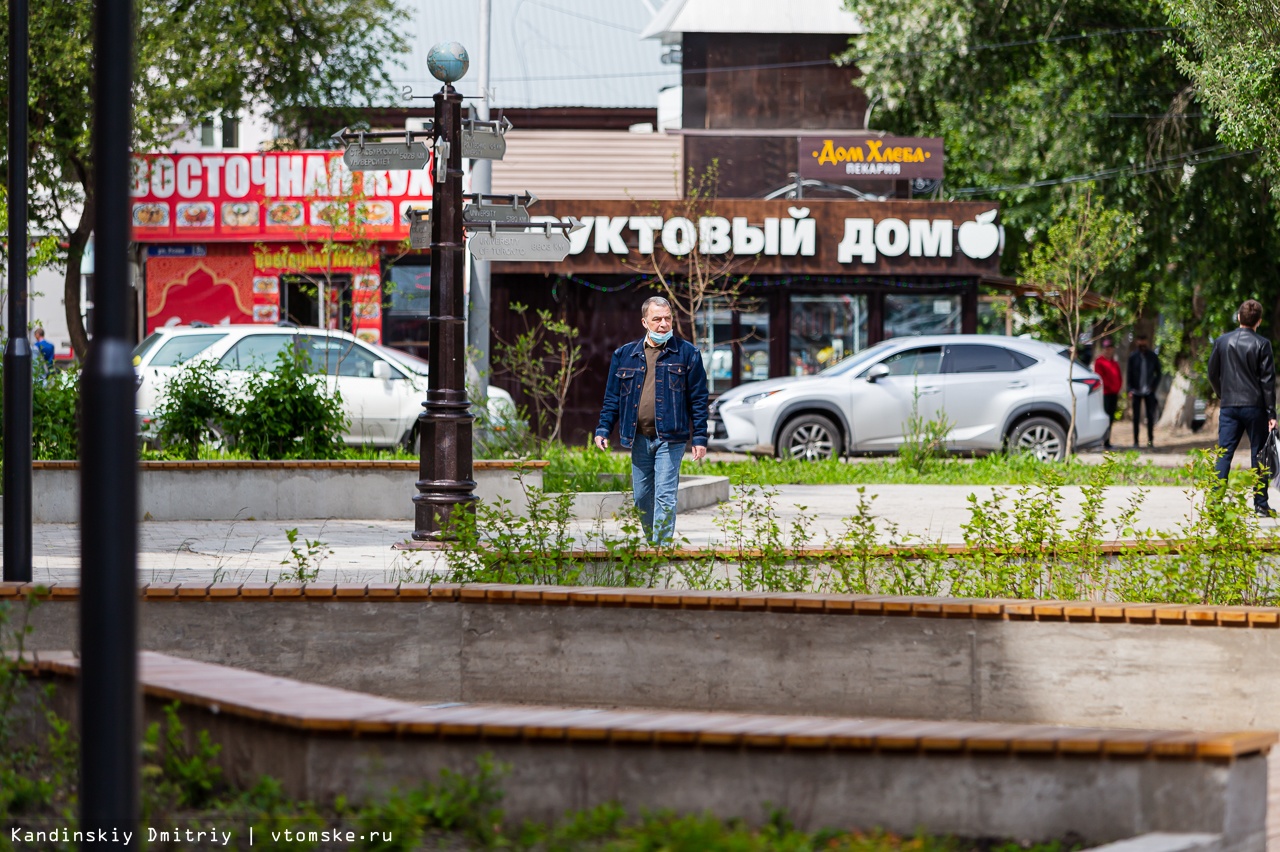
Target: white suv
996,392
382,389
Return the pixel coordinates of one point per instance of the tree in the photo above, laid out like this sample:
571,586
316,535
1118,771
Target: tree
1032,95
1231,51
694,281
1065,272
194,59
544,359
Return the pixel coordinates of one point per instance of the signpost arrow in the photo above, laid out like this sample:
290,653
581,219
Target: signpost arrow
498,208
420,229
485,140
547,241
378,156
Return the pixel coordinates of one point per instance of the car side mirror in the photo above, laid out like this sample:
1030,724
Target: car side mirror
876,373
381,370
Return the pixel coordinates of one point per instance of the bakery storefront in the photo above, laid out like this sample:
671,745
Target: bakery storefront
271,237
817,280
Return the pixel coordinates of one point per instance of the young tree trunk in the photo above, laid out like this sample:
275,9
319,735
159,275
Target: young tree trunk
76,242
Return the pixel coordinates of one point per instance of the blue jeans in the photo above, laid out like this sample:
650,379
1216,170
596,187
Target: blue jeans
1233,423
655,476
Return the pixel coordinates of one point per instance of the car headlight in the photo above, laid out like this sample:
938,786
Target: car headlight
756,397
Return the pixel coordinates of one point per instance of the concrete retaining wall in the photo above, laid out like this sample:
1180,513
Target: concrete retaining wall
695,492
1121,674
224,491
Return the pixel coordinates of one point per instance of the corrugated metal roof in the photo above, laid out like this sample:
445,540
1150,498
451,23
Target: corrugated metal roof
545,53
590,164
751,16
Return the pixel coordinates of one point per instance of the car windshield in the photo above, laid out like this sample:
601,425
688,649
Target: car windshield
411,362
180,349
857,360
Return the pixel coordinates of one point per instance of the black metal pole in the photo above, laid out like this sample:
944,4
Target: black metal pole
17,350
444,482
109,698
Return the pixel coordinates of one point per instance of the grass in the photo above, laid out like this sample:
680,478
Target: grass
581,469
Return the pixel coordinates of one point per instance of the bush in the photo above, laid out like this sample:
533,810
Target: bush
289,413
193,409
55,406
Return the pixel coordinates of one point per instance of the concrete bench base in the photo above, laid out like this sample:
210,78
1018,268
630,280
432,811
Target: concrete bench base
972,780
695,492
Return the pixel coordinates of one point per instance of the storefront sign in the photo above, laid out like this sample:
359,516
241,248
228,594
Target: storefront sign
781,237
839,158
234,197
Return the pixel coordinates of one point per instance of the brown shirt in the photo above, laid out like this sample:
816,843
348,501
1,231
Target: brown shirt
646,417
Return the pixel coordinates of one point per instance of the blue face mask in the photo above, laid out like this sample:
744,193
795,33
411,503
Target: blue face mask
659,339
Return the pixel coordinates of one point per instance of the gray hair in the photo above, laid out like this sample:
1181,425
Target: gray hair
653,300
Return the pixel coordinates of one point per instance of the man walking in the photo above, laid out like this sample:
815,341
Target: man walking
657,394
1243,374
1144,378
1108,369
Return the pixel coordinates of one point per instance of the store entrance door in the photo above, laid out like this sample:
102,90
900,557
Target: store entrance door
299,302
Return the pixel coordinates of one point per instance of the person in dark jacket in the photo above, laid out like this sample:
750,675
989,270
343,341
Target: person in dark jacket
1242,371
657,394
1144,378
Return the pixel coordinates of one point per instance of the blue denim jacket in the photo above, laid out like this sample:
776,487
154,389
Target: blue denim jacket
679,393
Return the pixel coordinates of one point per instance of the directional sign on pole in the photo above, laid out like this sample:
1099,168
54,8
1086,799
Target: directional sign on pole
377,156
484,140
420,229
480,213
515,241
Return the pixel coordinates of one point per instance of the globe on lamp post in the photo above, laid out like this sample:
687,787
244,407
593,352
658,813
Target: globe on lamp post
448,62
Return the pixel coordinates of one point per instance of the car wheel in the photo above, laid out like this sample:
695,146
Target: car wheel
1041,437
810,437
409,443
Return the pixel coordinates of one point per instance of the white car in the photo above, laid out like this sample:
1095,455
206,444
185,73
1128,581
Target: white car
996,392
382,389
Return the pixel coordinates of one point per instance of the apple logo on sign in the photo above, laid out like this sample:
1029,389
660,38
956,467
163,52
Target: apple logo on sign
980,239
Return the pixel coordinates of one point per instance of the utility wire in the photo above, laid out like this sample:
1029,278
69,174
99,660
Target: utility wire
1190,158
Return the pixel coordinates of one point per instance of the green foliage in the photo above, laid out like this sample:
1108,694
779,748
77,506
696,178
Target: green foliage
55,410
1027,95
464,804
288,413
924,442
305,558
1231,49
194,409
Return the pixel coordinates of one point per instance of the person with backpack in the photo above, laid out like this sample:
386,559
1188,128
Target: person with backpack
1242,371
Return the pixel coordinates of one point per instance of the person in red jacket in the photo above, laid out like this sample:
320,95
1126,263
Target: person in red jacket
1108,369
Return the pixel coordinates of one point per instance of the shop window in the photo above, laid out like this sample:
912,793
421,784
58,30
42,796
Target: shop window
734,340
995,315
825,329
910,315
715,340
753,339
406,303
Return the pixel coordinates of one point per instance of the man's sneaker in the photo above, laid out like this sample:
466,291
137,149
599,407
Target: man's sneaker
1264,511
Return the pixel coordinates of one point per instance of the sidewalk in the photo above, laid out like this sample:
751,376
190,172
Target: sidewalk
253,551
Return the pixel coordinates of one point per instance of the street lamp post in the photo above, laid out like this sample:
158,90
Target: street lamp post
445,485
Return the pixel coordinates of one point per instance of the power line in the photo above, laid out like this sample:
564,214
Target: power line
1190,158
817,63
582,17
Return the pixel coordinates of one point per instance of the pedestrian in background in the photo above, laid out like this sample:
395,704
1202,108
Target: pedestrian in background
1242,371
657,396
1108,369
1143,378
44,347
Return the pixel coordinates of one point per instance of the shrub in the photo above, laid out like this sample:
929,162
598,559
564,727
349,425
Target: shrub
55,405
193,409
290,413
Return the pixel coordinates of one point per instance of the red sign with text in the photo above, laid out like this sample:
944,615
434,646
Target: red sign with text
249,197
